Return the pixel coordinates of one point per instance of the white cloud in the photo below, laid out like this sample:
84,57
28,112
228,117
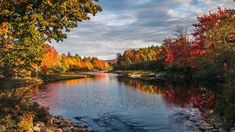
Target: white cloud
105,49
112,19
125,24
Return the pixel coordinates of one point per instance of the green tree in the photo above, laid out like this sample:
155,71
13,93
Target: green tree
32,23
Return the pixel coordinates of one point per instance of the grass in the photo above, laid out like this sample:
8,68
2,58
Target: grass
63,76
17,82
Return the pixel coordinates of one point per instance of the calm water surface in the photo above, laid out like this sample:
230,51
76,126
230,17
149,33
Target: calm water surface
111,103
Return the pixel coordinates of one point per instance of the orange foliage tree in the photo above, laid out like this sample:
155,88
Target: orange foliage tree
50,59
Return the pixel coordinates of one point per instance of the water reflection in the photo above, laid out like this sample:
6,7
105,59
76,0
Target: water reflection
111,103
195,97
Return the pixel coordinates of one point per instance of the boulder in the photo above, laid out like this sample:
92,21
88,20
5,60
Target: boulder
66,129
77,117
2,128
205,126
49,130
40,124
76,125
77,129
59,130
65,123
36,129
56,121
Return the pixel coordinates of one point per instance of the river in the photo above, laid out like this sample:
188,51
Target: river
109,102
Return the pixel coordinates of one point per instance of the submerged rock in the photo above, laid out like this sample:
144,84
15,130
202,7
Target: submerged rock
205,126
77,117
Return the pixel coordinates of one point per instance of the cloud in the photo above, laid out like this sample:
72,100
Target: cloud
127,24
112,19
104,49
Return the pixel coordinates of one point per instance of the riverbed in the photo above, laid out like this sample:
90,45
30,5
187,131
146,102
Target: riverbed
109,102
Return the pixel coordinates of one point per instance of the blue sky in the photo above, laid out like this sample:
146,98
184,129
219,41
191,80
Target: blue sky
125,24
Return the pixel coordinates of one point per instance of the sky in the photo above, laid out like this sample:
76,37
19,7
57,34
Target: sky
125,24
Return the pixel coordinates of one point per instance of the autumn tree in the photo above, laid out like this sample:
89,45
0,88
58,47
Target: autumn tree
215,33
51,59
178,50
143,58
33,22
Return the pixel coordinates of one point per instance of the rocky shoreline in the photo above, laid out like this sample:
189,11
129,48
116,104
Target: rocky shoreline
206,123
55,124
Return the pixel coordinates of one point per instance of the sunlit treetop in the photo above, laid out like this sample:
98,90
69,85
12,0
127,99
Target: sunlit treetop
50,17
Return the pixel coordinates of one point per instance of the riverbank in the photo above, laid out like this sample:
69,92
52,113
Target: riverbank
63,76
18,113
54,124
17,82
140,74
59,124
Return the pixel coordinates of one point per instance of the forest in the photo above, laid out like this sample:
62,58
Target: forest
207,53
28,61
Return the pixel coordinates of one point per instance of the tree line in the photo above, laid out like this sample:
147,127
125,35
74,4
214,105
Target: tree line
208,52
52,61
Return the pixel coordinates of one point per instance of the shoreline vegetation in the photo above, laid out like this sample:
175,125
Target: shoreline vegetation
17,82
208,53
30,116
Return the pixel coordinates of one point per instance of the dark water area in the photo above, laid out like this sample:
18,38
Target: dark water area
109,102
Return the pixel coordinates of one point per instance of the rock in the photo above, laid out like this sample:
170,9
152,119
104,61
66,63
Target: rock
76,125
77,129
49,130
43,129
56,121
77,117
66,129
36,129
205,126
65,123
50,121
59,130
2,128
83,126
211,111
40,124
151,75
192,120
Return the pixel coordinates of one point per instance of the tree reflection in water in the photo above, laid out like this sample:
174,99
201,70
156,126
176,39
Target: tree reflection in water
199,98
